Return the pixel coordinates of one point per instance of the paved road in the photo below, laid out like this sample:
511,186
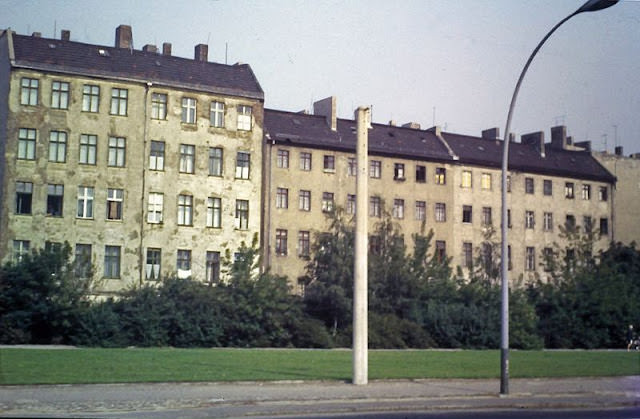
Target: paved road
170,400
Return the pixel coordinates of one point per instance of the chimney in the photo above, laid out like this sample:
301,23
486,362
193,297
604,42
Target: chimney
124,37
559,137
37,35
201,53
534,139
166,48
65,34
491,133
619,151
585,145
327,108
150,48
392,123
412,125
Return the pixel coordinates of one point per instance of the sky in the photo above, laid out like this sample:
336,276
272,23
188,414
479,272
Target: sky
452,63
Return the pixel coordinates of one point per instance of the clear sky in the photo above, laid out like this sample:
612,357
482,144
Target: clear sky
452,62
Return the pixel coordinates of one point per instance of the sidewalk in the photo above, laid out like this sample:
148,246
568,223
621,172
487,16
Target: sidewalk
298,398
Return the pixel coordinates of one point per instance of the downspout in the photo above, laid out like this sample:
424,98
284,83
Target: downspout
141,264
266,199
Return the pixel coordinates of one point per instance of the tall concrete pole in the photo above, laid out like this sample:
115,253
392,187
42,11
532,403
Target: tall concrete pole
360,304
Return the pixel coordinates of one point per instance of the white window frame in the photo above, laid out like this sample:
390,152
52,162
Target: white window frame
214,212
155,208
189,108
185,210
115,200
216,114
244,119
85,202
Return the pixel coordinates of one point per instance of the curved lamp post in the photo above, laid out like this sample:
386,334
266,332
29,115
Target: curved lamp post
589,6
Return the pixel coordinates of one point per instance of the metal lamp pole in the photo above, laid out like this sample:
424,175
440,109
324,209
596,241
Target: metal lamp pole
589,6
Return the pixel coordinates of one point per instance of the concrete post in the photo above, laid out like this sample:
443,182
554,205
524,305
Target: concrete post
360,304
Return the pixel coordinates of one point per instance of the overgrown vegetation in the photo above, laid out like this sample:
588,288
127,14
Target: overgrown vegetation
416,300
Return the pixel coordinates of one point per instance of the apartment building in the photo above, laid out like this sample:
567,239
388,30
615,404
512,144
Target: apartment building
147,164
427,180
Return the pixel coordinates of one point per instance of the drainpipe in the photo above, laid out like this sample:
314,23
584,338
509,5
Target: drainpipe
141,261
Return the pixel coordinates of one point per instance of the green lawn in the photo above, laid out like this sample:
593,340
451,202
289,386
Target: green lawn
66,366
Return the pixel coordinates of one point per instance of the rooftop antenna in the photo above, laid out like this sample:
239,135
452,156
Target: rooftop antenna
434,117
560,119
55,28
226,52
604,140
615,134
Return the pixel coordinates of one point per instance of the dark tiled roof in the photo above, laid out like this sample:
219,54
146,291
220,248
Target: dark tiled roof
303,130
312,131
123,63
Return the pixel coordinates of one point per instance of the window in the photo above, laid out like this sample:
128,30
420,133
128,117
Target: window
281,242
352,166
547,256
20,249
375,245
243,165
529,186
154,257
587,223
55,194
421,211
351,204
155,207
467,254
441,212
29,91
115,198
24,197
112,262
604,227
329,163
116,151
509,261
375,207
187,158
375,169
158,106
156,155
90,98
509,218
547,186
440,176
119,102
282,160
467,214
213,267
242,214
59,95
85,202
214,212
188,110
88,149
305,161
304,243
26,144
570,222
398,208
282,198
215,161
57,146
185,210
487,219
529,219
467,179
441,250
548,221
184,262
603,193
485,181
244,118
327,201
398,171
569,190
508,183
304,200
487,256
216,114
421,174
82,260
586,192
530,259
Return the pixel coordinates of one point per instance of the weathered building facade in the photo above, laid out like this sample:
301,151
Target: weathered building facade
145,163
428,180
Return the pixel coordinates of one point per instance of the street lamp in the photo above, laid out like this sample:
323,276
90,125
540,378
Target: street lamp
589,6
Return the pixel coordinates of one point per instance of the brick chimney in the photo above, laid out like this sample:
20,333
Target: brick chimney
201,53
124,37
559,137
535,140
150,48
166,48
65,35
327,108
491,133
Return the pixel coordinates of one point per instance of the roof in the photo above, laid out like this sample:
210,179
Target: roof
312,131
128,64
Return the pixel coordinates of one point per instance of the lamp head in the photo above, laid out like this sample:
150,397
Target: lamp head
595,5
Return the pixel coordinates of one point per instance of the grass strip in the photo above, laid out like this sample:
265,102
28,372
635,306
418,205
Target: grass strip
95,365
